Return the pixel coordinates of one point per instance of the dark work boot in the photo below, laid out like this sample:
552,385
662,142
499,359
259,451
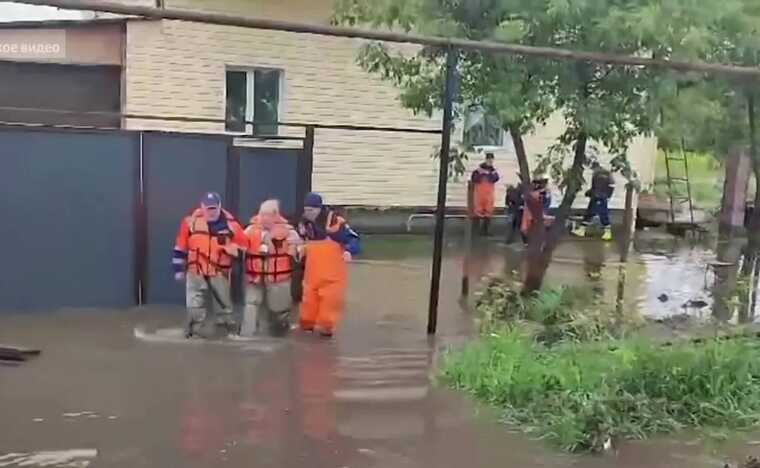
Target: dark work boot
485,227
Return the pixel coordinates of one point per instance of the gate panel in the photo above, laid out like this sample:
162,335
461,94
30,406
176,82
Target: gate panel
178,170
68,204
268,173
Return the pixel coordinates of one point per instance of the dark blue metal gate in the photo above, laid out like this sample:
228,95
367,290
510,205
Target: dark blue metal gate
68,201
177,171
90,217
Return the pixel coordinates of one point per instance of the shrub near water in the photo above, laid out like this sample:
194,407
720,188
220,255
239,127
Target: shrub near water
557,314
580,394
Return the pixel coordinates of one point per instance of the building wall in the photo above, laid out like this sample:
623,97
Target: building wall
177,68
305,11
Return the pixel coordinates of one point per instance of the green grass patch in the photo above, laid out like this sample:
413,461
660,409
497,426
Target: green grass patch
579,395
580,390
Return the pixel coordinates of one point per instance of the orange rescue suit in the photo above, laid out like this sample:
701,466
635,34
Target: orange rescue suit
325,276
277,265
209,254
484,180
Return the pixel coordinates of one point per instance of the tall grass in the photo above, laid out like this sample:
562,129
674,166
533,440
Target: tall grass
574,313
579,395
580,382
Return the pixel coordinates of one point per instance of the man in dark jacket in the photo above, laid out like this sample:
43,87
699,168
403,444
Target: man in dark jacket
602,188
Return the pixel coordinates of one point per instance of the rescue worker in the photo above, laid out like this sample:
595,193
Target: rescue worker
330,243
602,188
207,242
540,193
484,180
514,206
272,247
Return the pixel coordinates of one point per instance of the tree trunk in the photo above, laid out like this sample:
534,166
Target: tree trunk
522,155
534,258
541,249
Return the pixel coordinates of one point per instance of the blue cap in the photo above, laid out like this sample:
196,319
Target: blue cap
313,200
212,199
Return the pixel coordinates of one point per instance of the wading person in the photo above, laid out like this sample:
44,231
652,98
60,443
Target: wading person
207,242
330,243
602,188
272,247
514,207
484,180
541,198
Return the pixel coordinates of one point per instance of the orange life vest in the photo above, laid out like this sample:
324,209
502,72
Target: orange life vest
274,266
205,251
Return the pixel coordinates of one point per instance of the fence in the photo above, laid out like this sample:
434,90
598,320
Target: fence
90,216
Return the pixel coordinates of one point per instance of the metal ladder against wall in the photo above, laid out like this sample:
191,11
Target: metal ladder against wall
678,181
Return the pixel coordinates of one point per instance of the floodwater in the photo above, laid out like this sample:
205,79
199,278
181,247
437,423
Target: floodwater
123,389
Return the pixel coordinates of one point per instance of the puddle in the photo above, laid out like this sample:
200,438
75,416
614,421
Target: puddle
73,458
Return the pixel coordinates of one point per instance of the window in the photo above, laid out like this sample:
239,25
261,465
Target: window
253,95
481,129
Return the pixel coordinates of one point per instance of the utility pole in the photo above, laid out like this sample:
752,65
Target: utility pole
443,179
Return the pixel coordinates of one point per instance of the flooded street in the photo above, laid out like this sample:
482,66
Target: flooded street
123,389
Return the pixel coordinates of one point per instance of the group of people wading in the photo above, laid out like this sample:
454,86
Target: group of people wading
485,177
210,240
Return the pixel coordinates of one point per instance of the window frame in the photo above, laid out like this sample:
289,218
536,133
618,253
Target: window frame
250,95
506,140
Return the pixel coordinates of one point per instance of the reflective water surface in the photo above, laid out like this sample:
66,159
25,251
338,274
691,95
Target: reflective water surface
124,389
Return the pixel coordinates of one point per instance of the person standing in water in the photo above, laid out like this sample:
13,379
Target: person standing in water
330,244
207,242
484,180
602,188
272,248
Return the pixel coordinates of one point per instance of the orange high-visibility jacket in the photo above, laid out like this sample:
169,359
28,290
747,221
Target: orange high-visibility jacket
276,266
210,254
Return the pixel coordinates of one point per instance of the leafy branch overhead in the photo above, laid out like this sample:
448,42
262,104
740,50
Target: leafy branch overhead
602,106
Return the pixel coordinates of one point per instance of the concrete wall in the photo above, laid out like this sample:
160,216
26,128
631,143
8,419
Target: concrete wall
177,68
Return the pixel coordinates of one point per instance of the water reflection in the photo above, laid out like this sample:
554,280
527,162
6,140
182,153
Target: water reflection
363,400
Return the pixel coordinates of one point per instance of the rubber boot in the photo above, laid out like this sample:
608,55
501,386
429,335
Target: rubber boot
476,225
486,227
580,231
194,321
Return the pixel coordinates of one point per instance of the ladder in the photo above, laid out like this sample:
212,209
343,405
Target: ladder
677,182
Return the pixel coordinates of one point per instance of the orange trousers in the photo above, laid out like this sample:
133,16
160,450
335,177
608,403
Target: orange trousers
484,199
324,289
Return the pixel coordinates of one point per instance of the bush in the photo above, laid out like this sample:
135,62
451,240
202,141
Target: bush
563,313
579,395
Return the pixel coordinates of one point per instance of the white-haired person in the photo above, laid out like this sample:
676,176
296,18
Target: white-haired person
272,246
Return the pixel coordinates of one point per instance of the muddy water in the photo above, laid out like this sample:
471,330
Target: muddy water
122,389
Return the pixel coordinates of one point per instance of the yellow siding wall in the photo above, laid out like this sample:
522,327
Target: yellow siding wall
178,68
304,11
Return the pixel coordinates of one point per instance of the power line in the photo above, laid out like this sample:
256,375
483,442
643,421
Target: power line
335,31
189,119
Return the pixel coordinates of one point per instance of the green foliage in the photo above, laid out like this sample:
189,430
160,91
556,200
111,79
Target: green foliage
604,104
706,175
579,395
567,313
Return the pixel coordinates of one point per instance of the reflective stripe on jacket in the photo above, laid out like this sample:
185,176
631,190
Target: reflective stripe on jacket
209,253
